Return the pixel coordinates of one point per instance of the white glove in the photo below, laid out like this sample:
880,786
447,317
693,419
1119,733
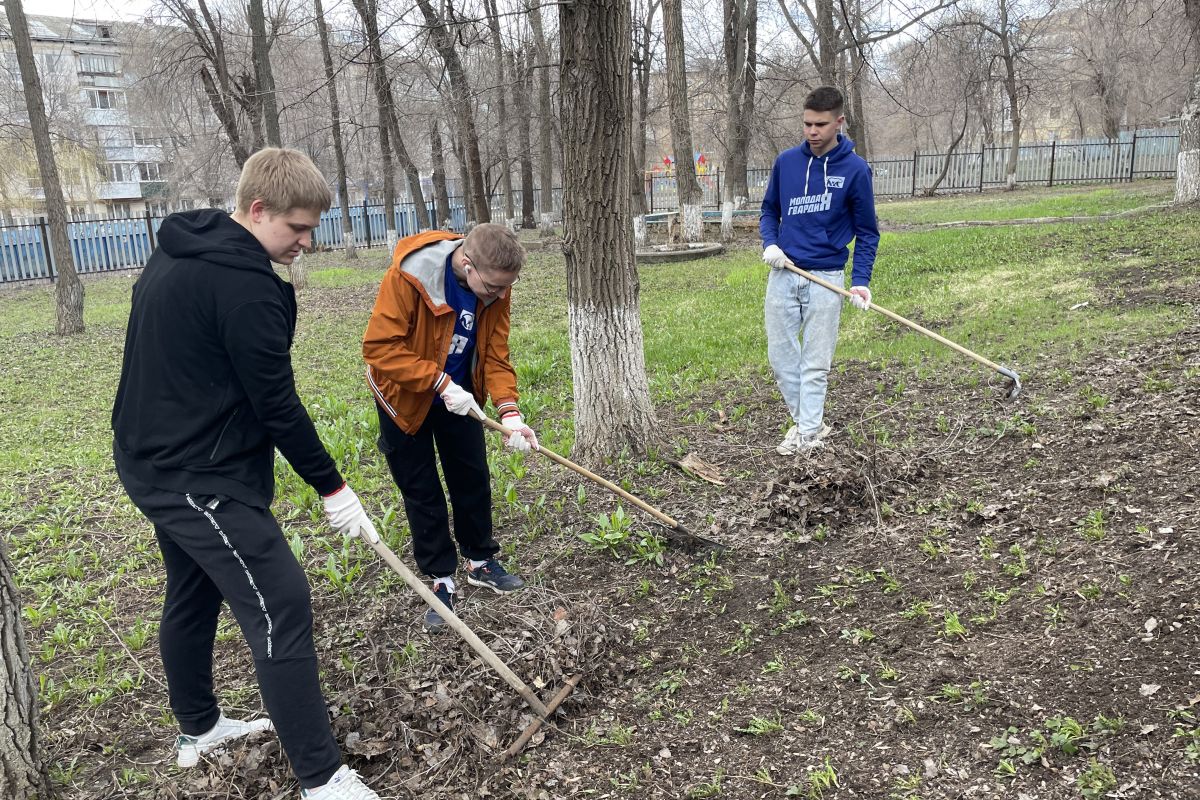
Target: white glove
860,297
347,515
459,401
522,439
776,258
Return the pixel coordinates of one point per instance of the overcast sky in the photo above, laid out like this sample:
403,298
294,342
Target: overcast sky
89,9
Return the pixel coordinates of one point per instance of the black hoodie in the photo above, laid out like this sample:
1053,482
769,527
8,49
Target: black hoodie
207,391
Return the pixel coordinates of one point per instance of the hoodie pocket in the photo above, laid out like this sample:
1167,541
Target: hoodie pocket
213,455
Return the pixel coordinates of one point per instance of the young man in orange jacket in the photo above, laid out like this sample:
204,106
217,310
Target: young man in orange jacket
436,348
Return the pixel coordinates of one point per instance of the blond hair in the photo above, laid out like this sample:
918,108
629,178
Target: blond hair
496,247
284,180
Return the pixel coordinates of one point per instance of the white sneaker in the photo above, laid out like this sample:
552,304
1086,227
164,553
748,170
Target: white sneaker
796,443
190,748
344,785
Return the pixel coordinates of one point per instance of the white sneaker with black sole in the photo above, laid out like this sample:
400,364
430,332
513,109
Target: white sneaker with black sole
188,749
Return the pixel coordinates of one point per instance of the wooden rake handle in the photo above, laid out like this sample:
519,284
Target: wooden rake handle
892,315
607,484
461,628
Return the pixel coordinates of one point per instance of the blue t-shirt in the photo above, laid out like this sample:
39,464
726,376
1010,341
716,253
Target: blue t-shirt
462,343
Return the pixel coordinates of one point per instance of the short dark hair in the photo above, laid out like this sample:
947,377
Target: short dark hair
825,98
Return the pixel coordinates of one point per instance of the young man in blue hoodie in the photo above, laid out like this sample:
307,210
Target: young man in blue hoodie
819,198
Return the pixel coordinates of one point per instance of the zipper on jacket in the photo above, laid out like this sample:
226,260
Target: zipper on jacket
224,428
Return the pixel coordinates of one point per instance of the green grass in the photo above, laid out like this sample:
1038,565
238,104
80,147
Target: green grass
1028,203
77,543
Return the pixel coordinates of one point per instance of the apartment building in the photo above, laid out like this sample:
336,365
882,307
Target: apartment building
109,166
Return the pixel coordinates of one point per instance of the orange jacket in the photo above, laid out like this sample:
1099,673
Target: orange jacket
408,337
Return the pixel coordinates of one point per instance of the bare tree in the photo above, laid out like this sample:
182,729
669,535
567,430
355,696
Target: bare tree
545,120
22,767
441,194
506,182
612,397
520,66
741,65
1187,174
335,119
264,77
643,55
690,195
441,33
377,71
68,289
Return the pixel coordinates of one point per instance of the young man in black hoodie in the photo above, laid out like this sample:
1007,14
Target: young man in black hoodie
206,396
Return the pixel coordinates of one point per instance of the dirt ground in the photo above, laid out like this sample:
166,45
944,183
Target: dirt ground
959,597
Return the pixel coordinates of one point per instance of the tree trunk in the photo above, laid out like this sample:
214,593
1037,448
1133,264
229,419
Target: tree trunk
612,397
339,151
22,770
741,35
263,77
545,122
506,182
461,102
1187,175
377,73
415,192
464,177
521,69
643,53
690,194
68,289
298,273
941,176
827,43
441,196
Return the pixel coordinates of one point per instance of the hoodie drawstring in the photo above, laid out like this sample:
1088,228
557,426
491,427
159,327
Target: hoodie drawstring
825,171
806,169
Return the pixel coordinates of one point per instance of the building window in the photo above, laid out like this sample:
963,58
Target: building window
119,210
104,98
142,136
150,171
96,64
119,172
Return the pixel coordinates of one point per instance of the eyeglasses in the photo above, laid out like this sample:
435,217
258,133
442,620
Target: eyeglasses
487,287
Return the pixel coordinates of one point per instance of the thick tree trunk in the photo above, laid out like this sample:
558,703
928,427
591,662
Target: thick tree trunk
441,196
1187,175
612,398
690,194
545,122
506,182
383,97
22,769
264,78
521,69
339,151
68,289
298,273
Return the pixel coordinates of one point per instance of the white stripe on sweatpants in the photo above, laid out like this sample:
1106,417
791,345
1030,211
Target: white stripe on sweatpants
262,603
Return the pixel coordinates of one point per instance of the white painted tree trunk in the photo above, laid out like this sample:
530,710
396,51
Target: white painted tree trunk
348,243
298,273
727,221
693,223
393,236
639,231
511,223
1187,170
546,225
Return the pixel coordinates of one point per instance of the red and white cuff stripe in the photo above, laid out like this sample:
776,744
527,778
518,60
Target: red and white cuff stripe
507,409
441,383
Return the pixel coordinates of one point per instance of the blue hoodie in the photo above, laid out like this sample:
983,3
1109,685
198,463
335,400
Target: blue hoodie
823,203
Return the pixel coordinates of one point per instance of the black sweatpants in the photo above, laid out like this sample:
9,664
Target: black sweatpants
413,463
215,548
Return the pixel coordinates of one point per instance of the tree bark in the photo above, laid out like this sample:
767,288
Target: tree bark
68,289
22,768
612,398
931,190
441,196
1008,58
298,273
377,71
339,151
410,169
642,56
1187,175
545,122
263,76
741,36
506,182
521,69
460,97
688,188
